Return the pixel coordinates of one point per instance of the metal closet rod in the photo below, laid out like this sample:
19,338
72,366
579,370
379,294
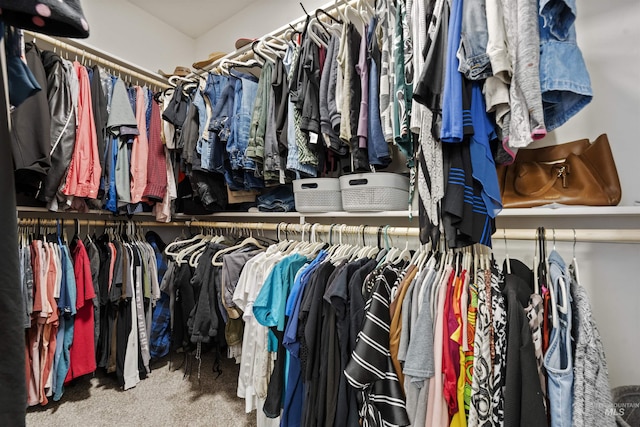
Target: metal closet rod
116,65
551,234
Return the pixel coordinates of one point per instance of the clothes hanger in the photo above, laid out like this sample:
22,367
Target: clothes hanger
349,9
258,55
343,16
564,305
195,256
177,243
317,37
266,48
248,241
366,9
276,43
544,278
331,28
405,254
189,250
574,261
506,251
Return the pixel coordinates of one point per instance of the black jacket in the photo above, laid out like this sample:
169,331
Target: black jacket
63,123
523,398
31,123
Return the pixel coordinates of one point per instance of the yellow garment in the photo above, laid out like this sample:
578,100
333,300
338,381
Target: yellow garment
459,419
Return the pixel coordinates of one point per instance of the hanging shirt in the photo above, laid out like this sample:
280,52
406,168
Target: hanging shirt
82,358
83,177
139,149
370,368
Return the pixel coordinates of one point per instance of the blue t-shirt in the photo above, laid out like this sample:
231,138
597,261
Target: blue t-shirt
452,115
269,306
482,164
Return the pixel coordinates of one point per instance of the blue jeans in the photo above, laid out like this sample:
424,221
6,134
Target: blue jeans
558,360
220,125
278,200
564,79
245,96
474,61
243,168
202,146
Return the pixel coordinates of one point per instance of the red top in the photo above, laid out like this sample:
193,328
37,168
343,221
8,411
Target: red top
82,353
156,188
450,349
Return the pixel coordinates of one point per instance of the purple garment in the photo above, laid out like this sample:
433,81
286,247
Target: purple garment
363,72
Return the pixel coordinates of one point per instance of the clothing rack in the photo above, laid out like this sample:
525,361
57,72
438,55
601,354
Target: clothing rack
114,64
308,229
246,52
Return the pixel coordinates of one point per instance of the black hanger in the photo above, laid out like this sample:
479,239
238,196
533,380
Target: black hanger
255,52
542,263
295,31
338,20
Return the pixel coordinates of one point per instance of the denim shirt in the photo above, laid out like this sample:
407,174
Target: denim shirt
564,79
558,360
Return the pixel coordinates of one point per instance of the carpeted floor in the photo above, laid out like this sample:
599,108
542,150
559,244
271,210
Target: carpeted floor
165,398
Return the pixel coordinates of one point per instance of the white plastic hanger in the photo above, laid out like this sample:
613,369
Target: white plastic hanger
177,243
248,241
506,251
316,33
404,254
574,261
181,258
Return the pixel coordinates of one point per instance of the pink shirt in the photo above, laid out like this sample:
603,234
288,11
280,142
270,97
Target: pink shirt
83,178
437,411
140,150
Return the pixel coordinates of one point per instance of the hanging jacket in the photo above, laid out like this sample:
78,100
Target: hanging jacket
524,401
30,130
83,179
63,123
100,113
204,323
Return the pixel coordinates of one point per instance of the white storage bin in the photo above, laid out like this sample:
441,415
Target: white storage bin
317,195
379,191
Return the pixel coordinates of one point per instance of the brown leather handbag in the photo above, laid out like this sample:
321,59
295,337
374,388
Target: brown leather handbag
575,173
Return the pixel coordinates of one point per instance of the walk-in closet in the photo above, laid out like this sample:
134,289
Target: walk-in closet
321,213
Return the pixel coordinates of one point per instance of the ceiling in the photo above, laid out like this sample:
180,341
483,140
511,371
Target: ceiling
192,17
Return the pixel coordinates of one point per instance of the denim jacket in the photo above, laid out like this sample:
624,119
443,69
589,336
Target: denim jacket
564,79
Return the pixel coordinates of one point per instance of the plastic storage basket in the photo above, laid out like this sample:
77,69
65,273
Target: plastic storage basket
317,195
379,191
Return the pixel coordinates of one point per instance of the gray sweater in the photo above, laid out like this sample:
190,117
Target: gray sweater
591,393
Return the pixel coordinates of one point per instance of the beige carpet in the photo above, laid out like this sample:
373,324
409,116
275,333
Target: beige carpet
163,399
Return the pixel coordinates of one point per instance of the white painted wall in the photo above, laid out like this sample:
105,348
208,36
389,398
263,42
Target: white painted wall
128,32
254,21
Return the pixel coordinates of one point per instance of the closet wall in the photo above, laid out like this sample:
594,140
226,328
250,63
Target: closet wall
122,29
608,37
251,23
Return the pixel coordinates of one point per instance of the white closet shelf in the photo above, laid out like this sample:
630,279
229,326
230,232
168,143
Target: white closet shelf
592,212
566,211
